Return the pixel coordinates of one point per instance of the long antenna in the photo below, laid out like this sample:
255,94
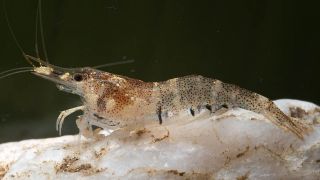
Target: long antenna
114,63
36,34
13,35
14,69
16,72
41,32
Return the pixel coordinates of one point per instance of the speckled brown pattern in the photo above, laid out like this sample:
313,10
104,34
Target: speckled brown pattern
121,101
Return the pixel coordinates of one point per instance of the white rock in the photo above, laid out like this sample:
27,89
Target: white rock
238,144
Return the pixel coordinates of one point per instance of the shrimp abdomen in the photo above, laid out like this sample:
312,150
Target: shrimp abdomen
235,96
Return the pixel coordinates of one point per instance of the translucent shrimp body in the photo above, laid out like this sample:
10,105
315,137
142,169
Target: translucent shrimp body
113,101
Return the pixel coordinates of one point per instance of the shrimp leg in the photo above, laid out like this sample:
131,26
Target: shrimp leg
63,115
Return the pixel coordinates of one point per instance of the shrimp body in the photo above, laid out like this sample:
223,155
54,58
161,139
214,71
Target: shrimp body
114,101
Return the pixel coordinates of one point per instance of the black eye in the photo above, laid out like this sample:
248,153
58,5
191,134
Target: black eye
78,77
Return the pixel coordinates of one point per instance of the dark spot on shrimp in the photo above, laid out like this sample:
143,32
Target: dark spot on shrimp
97,116
192,111
159,112
209,107
224,106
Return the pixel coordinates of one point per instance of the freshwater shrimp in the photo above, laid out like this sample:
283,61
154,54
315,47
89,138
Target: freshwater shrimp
113,101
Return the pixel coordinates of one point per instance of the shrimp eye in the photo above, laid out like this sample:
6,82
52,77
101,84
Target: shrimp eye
78,77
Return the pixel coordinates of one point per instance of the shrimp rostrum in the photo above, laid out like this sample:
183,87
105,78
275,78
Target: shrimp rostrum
113,101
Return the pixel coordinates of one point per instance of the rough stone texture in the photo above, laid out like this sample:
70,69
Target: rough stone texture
238,144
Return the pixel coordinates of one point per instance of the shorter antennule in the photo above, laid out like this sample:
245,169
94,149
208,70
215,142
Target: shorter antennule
38,60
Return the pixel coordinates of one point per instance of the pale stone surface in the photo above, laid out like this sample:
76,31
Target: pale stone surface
235,145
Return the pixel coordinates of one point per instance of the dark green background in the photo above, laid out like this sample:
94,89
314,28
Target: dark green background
270,47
